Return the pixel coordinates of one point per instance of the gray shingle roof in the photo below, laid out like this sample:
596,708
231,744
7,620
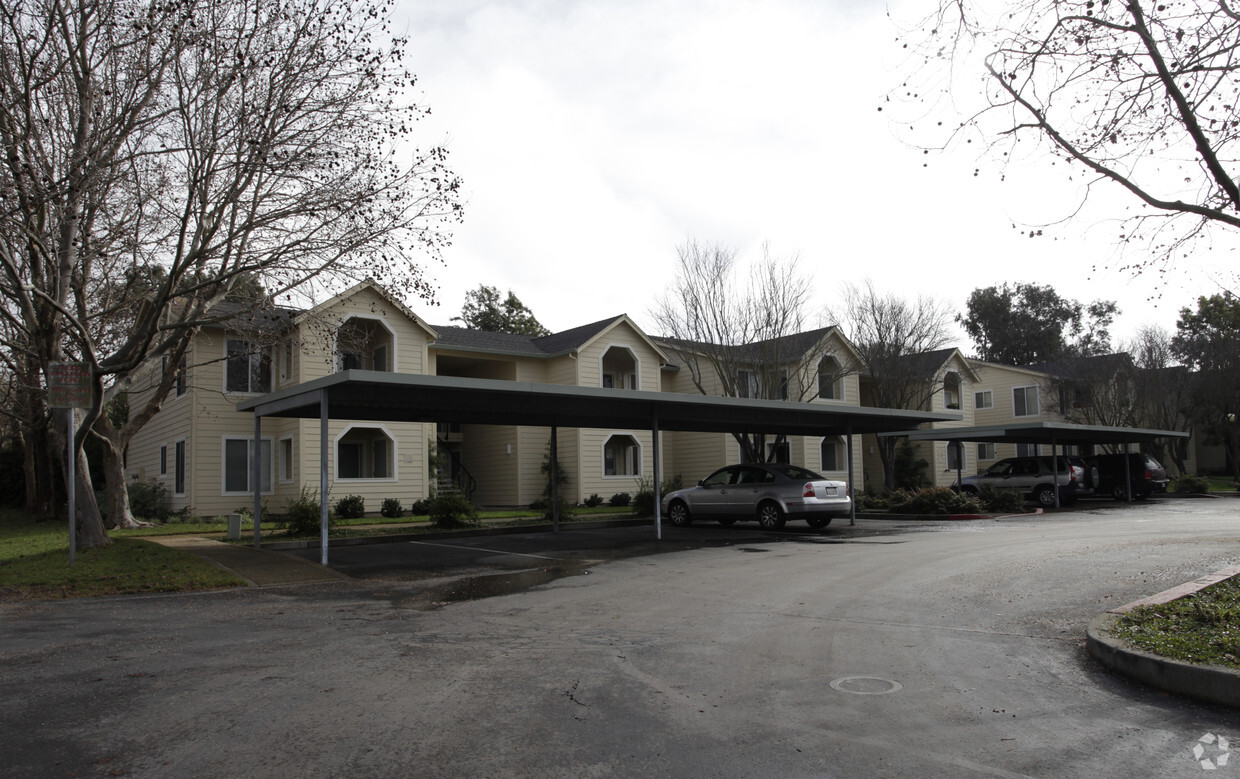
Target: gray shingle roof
533,346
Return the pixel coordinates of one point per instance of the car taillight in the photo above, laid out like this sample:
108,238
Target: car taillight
808,492
1148,476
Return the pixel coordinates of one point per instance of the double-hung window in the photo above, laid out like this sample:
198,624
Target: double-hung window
1025,402
247,367
238,465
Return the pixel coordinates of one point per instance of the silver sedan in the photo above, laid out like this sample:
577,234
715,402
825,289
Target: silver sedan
771,493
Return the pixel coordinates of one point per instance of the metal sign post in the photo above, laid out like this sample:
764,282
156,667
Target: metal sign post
69,387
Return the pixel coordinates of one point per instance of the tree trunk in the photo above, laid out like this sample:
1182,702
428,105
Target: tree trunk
115,493
887,456
90,531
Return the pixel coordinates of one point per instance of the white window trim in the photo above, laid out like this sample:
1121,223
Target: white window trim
392,353
841,457
184,477
637,365
838,384
292,471
641,456
392,462
986,393
987,448
271,476
1027,387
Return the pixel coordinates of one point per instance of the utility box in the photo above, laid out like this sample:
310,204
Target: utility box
234,527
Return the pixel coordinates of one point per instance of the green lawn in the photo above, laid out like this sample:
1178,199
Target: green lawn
34,563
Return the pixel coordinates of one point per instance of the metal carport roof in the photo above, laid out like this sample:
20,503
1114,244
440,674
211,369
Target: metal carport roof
1054,433
383,396
376,395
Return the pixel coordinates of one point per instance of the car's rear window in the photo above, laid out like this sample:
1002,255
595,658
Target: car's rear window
795,472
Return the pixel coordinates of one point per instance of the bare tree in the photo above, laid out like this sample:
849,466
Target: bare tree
154,154
1163,399
1138,94
900,348
744,340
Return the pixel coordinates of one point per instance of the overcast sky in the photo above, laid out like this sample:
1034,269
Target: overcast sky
594,137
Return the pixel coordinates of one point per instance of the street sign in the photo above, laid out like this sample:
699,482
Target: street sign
68,385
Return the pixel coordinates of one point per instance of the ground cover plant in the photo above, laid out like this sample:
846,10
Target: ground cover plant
34,563
1200,628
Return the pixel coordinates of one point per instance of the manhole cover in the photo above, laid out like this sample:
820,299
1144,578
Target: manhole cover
866,685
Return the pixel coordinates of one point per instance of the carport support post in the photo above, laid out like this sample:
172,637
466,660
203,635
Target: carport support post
852,492
959,464
256,473
1127,475
554,475
658,477
323,420
1055,468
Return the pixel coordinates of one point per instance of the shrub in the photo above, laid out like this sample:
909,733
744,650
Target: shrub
874,500
304,515
643,501
452,509
420,507
351,507
621,499
148,500
935,500
391,508
593,500
1191,485
1000,501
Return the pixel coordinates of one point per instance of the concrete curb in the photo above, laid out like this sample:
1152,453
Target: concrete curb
1209,683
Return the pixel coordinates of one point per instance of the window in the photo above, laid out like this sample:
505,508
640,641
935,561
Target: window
365,453
365,343
286,459
984,399
951,390
619,367
378,358
622,456
746,384
247,368
178,481
954,451
237,465
1026,450
163,460
830,454
828,379
985,451
1025,402
286,360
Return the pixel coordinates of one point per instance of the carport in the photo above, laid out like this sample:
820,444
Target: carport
397,397
1061,434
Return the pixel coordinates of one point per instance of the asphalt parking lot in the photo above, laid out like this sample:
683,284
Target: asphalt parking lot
892,649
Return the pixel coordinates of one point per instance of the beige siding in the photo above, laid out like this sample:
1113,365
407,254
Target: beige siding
493,455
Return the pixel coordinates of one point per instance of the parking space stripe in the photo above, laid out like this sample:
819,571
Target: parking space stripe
492,551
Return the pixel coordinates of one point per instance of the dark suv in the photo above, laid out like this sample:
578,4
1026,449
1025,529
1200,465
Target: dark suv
1035,478
1148,475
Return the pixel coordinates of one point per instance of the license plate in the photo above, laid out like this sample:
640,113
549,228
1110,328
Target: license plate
829,491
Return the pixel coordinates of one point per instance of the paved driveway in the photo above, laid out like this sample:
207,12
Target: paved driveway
949,649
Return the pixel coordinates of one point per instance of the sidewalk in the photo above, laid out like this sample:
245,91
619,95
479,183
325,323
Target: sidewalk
259,567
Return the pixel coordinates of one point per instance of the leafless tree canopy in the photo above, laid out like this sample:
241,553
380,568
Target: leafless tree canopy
1136,93
742,336
156,153
898,343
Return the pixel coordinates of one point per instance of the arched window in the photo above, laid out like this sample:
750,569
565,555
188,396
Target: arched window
365,453
951,390
622,456
619,369
832,453
365,344
830,384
